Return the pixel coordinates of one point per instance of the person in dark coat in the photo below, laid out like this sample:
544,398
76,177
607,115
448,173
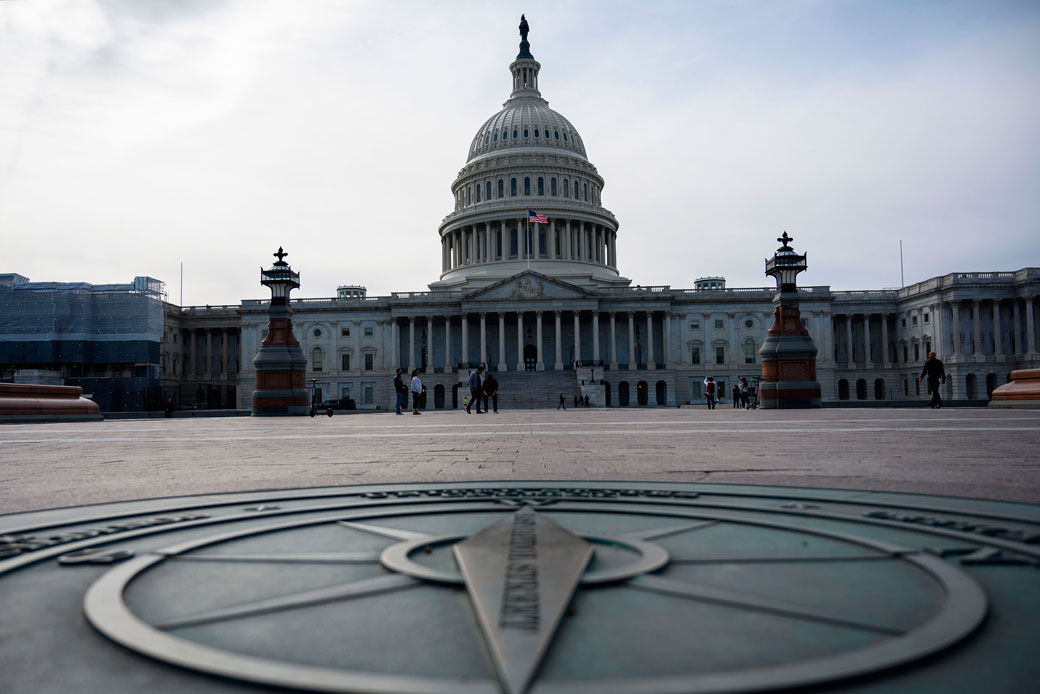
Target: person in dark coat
401,390
474,390
935,373
490,390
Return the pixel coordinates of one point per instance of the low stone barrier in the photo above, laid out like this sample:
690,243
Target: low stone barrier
26,402
1023,390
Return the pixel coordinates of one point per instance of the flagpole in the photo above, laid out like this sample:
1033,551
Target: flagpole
528,241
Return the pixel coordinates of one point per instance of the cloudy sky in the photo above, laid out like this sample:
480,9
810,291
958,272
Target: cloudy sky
139,134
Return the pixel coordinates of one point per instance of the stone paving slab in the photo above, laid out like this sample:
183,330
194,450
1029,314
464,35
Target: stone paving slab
980,453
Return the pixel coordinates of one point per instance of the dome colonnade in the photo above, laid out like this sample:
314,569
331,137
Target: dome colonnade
528,157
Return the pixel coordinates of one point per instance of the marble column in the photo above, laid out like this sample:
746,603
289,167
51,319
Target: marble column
650,364
395,338
447,345
976,329
868,353
668,359
540,364
632,363
501,342
223,353
558,366
483,339
520,341
884,340
209,355
411,345
1030,343
465,342
998,342
429,344
595,337
957,346
848,340
577,340
1016,343
613,342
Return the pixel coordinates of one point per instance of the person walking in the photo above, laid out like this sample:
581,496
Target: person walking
735,394
709,391
490,390
936,374
416,391
586,401
474,390
563,403
400,391
745,394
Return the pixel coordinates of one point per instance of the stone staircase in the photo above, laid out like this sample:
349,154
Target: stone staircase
534,390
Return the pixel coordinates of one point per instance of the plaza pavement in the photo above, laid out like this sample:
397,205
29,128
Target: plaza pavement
981,453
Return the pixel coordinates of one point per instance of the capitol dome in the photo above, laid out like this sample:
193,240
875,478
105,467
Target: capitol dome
525,159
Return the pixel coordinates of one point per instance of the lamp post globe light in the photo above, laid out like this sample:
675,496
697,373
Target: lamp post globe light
280,365
788,354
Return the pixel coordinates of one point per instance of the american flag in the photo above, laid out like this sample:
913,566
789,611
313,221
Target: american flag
536,218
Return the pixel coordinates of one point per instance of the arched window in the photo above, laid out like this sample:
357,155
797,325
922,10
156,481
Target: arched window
495,138
487,190
861,389
843,389
566,189
537,133
317,359
879,389
527,185
525,132
556,134
547,134
512,187
565,137
469,192
478,193
552,187
514,133
575,190
541,186
501,188
505,134
749,351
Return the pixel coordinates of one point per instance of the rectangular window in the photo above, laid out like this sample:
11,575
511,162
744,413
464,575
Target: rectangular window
695,390
695,355
904,322
720,355
718,324
917,352
369,360
749,352
344,332
368,393
926,318
914,320
344,391
369,331
695,325
345,362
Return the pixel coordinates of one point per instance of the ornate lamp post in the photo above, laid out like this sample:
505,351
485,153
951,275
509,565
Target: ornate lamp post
279,363
788,353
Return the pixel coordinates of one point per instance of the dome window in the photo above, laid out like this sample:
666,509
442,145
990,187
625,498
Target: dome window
546,134
557,134
487,190
501,188
566,189
541,186
478,193
536,132
565,137
495,138
514,134
575,190
527,185
505,134
512,187
525,132
552,187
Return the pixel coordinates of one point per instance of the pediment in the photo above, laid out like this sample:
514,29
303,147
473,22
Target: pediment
529,285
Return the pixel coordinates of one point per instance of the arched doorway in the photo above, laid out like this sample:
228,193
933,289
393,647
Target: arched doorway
530,357
879,389
662,393
861,389
969,386
622,394
642,396
991,383
843,389
455,396
606,393
438,396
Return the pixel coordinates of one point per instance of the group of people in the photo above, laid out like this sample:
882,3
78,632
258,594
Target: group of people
579,401
741,393
480,388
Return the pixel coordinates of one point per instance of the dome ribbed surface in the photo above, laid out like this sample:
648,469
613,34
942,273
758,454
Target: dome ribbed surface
526,123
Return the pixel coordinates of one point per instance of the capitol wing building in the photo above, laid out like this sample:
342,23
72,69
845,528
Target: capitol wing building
541,302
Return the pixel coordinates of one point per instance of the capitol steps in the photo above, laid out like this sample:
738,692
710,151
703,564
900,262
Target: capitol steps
534,390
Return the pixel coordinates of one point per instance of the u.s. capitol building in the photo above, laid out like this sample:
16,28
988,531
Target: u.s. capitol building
545,305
